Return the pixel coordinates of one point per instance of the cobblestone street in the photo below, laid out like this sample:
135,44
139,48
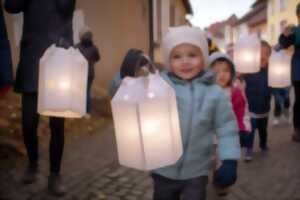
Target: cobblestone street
91,172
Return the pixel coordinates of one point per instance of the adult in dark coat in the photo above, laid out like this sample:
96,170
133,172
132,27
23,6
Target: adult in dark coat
45,22
6,72
291,36
91,53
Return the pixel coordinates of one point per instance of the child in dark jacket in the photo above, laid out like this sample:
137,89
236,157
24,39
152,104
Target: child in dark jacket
289,37
91,53
258,94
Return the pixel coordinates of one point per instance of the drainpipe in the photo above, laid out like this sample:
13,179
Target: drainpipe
151,38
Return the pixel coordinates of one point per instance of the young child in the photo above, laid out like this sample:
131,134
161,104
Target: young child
225,77
259,97
289,37
204,109
88,49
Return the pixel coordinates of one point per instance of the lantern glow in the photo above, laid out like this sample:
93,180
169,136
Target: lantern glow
146,124
62,83
248,57
151,95
279,70
247,54
65,85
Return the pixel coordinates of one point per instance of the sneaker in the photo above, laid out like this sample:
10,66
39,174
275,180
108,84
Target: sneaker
55,186
248,155
30,175
286,113
275,121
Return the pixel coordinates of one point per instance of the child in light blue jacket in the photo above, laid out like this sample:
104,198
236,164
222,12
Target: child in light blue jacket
204,109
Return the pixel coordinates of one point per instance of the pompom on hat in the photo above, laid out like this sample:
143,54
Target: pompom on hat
184,35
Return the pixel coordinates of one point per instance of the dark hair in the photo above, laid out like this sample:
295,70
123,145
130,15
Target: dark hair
212,47
266,44
87,38
298,9
231,68
134,59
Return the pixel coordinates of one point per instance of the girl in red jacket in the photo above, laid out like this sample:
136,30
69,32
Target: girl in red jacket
225,77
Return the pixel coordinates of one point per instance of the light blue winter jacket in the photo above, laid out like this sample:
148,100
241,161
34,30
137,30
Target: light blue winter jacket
204,110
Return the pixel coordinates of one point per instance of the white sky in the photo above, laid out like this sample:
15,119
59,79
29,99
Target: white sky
207,12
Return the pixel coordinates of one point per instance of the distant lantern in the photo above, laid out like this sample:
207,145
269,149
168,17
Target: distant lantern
62,83
279,70
247,54
146,123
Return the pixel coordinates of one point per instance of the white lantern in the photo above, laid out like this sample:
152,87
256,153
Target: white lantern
247,54
146,123
279,70
62,83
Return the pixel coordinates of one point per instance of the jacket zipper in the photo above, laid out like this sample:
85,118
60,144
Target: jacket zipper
186,145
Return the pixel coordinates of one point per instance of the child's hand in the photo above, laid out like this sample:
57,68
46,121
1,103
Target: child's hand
134,60
226,175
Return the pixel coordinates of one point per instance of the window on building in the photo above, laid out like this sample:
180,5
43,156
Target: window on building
283,5
157,20
172,15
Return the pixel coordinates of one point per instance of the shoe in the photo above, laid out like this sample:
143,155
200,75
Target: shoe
248,155
30,175
286,113
275,121
264,149
55,186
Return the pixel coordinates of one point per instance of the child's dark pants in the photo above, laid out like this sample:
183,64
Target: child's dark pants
168,189
261,125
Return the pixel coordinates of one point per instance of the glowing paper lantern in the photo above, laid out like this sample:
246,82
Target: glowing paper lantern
62,83
146,123
247,54
279,70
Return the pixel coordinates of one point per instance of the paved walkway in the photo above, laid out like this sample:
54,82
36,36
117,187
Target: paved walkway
91,172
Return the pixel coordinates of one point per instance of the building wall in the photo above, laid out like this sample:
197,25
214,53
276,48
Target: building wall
115,31
240,30
171,13
261,30
180,13
277,14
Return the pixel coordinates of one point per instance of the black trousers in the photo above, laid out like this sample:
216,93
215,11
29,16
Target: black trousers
296,109
262,126
191,189
30,121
